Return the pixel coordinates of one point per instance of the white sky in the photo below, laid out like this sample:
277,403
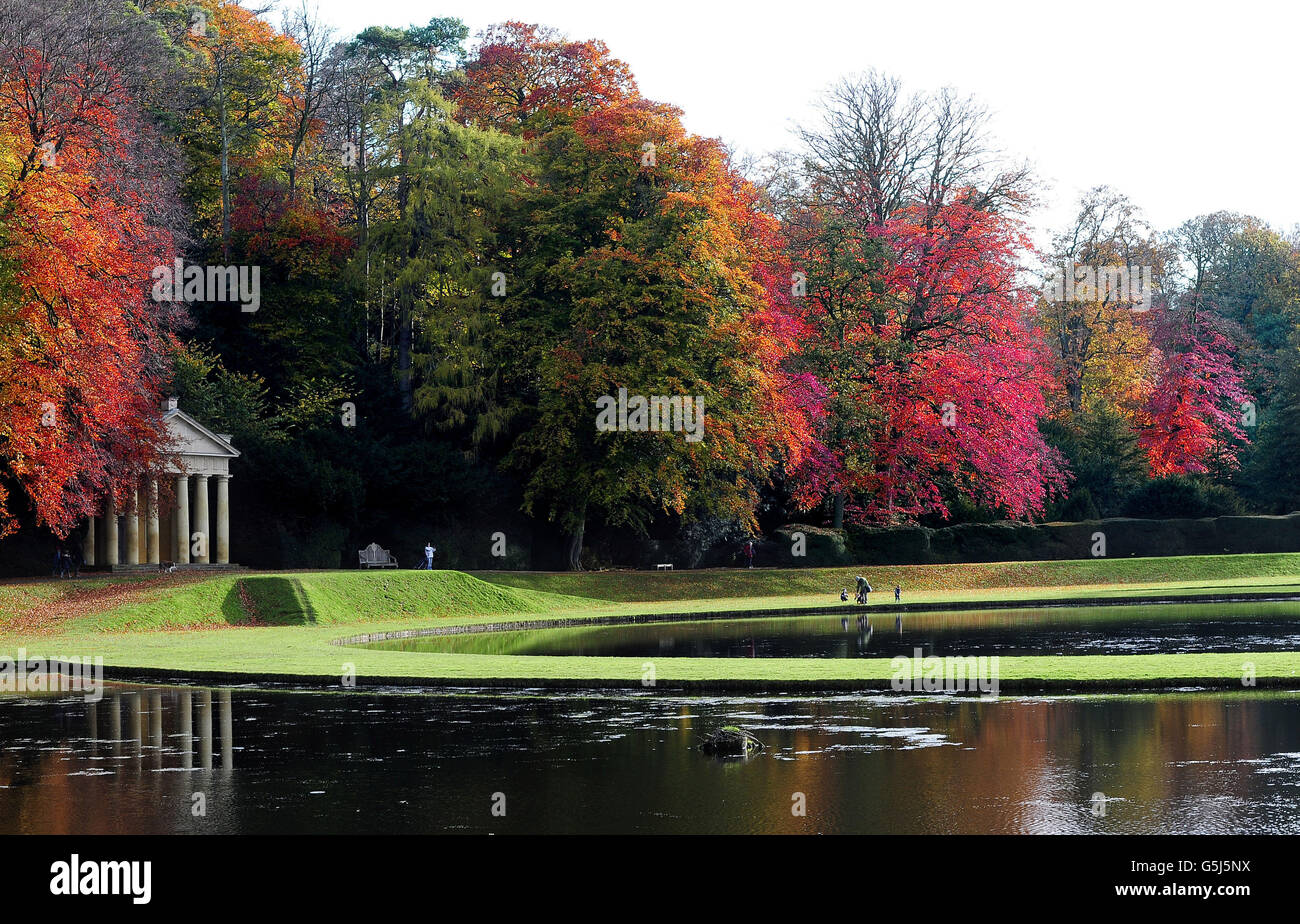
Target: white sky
1186,107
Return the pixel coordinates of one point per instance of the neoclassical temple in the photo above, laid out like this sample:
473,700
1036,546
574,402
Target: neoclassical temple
116,539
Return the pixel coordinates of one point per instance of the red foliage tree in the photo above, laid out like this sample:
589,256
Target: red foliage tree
521,70
80,338
938,369
1194,418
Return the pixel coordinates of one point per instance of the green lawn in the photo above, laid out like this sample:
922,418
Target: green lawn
264,625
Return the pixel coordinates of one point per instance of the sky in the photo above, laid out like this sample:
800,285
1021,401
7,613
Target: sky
1186,107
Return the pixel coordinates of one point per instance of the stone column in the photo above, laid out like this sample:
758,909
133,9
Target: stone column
151,524
133,529
182,519
223,520
201,518
88,544
110,531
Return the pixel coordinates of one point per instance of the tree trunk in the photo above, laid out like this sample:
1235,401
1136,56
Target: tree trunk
404,382
837,517
405,293
224,117
573,547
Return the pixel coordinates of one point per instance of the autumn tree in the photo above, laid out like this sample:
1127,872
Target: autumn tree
1101,346
1250,275
84,216
634,258
522,71
241,72
1193,422
904,233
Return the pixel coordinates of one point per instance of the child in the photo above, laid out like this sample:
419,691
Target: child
844,595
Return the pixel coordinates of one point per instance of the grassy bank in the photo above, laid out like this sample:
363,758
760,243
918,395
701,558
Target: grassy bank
282,625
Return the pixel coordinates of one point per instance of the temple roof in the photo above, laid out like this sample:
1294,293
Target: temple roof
190,438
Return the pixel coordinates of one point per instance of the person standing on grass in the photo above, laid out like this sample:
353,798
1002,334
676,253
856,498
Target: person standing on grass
898,593
863,589
428,556
749,552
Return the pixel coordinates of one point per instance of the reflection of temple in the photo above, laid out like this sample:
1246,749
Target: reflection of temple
116,540
132,720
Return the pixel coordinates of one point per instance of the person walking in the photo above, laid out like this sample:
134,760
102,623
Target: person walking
898,593
749,552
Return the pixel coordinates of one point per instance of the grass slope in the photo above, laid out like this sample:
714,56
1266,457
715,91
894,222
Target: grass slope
291,599
283,624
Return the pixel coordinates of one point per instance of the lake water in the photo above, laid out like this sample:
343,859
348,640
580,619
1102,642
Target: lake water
144,759
1161,629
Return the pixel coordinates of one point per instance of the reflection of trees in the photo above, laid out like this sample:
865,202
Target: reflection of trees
582,761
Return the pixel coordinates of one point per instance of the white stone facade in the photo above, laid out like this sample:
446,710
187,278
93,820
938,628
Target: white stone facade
187,534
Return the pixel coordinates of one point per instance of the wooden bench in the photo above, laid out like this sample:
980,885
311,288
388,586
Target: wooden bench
376,556
664,567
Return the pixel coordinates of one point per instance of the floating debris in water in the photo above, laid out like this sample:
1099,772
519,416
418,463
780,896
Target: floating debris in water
731,741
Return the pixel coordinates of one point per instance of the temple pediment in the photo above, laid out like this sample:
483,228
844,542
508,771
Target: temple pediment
201,451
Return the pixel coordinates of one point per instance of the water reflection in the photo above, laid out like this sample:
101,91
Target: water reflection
1190,628
147,709
384,762
70,765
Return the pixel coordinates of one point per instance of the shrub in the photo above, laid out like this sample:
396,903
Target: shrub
1181,496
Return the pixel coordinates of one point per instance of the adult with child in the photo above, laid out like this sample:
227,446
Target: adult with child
864,588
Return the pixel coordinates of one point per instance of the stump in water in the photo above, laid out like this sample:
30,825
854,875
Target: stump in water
731,741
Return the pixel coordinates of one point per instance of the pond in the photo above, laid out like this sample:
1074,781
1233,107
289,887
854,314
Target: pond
145,759
1165,629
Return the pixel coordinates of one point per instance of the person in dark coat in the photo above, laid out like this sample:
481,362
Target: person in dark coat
863,589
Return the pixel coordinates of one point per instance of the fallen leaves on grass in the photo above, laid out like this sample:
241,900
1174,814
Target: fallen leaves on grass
43,616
